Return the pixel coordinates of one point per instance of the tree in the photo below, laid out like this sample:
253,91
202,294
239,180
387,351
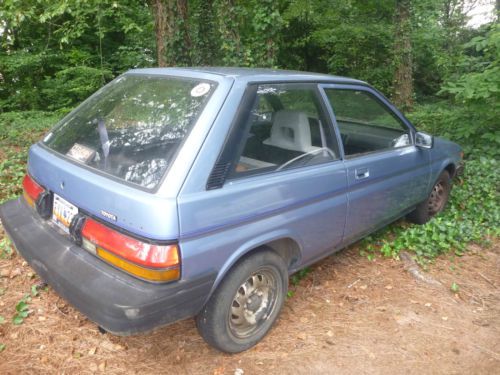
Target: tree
403,74
55,53
173,40
160,15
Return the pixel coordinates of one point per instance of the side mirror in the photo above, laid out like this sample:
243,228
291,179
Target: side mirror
424,140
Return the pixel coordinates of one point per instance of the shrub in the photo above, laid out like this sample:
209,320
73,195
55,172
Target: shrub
474,127
72,85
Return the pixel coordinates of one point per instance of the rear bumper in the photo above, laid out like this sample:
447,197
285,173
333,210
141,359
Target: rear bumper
114,300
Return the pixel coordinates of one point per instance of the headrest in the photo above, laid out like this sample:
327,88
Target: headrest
290,130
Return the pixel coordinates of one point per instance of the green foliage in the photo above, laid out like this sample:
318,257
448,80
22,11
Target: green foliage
70,86
5,249
204,33
473,117
2,347
54,53
351,38
21,129
296,277
34,291
22,310
57,51
482,80
472,215
12,170
474,127
454,287
18,130
248,32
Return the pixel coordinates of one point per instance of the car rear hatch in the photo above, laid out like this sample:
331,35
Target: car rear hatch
107,159
124,206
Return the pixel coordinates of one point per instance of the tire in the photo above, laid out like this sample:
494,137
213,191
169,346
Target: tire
435,202
246,304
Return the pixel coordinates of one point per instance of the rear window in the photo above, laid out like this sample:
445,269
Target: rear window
132,127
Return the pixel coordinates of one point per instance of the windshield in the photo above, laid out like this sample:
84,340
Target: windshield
132,127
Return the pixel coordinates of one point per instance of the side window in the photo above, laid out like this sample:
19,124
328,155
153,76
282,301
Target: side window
285,129
366,124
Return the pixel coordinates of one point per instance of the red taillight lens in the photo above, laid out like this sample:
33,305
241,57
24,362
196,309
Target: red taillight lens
31,190
148,261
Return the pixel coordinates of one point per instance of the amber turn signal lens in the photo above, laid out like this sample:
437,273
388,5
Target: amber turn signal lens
159,275
144,260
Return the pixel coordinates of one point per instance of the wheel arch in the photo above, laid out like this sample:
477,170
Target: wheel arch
446,165
285,244
451,169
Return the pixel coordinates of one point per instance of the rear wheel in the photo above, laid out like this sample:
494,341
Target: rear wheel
435,202
246,304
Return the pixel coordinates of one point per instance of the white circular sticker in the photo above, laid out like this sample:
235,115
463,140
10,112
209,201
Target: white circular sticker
200,89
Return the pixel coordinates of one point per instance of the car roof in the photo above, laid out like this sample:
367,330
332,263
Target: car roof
248,74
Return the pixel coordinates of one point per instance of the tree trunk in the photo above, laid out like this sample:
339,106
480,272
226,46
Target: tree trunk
403,75
160,15
171,19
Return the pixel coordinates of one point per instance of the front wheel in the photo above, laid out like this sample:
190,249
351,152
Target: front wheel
435,202
246,304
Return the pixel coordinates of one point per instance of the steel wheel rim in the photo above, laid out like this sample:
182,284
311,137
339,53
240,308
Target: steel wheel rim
253,303
437,198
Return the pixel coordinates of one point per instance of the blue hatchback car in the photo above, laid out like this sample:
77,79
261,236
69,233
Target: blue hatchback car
173,193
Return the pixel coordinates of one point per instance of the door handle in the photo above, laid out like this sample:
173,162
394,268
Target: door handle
361,173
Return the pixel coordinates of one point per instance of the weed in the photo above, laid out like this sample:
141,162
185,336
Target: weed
300,275
454,287
2,347
34,290
5,249
22,310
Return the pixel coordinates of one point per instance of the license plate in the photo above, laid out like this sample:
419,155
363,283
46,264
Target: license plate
63,212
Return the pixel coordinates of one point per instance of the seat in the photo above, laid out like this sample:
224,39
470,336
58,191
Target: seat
291,131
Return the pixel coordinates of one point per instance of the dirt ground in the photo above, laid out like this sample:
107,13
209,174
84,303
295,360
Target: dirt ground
348,316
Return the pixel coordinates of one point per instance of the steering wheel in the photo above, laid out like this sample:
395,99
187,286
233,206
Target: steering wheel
309,153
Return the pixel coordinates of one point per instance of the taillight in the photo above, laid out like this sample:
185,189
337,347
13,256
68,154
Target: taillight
31,190
146,261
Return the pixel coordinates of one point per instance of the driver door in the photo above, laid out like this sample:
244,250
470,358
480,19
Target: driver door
387,174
